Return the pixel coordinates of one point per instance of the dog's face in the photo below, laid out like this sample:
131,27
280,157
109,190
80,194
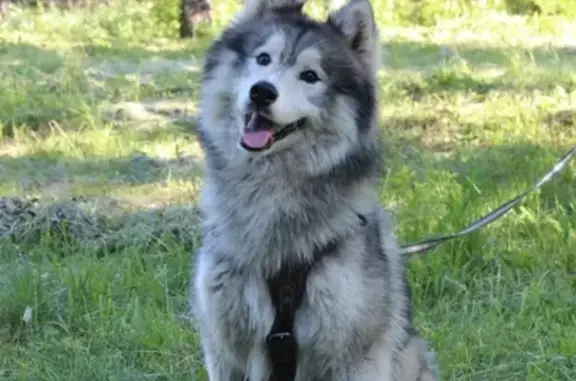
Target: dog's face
277,80
284,87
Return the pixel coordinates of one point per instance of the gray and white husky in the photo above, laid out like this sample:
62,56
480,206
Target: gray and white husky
288,124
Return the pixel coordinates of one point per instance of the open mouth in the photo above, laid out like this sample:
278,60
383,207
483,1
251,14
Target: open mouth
260,133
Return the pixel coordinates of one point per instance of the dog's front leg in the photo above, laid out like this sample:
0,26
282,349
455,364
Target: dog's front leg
219,363
384,362
219,366
416,362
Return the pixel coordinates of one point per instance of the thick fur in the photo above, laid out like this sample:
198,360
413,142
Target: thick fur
263,210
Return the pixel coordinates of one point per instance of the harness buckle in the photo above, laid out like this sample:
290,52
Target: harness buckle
281,347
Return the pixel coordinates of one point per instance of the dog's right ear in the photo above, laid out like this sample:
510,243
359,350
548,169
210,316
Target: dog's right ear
254,9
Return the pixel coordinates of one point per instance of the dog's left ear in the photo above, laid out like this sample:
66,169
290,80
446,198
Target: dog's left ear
356,23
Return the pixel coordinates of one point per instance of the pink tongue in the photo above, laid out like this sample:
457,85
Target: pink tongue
257,139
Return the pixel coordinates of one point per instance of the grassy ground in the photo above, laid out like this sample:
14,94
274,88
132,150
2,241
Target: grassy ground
97,114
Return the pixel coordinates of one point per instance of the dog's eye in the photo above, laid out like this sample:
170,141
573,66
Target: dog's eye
309,76
263,59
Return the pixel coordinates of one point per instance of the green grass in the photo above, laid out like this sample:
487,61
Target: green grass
100,105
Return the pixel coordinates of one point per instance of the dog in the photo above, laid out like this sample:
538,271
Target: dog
298,275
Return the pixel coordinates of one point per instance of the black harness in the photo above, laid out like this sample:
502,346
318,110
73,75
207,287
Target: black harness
286,291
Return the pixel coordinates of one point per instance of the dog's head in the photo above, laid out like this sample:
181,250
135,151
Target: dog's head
276,80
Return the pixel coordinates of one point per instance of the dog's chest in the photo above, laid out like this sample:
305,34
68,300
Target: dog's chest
268,220
239,306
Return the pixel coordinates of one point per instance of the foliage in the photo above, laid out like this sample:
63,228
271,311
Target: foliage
429,12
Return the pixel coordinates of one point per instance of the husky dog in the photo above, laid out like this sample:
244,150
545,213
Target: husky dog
288,124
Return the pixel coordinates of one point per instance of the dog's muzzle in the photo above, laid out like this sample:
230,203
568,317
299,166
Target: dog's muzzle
261,132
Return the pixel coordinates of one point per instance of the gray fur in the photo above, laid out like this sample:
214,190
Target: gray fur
266,209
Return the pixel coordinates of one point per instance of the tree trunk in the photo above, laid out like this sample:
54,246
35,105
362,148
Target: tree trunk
192,13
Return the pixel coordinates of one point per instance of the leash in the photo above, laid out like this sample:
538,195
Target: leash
423,246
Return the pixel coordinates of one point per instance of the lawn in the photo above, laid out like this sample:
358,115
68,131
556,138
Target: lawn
99,166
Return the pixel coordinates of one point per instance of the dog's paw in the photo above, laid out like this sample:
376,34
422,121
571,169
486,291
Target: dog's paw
417,362
431,367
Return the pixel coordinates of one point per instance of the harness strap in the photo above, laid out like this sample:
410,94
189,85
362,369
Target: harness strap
286,290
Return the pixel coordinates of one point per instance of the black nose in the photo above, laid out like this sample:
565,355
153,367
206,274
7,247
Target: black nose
263,94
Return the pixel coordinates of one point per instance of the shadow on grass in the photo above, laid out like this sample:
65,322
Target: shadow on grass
21,57
26,79
442,195
196,48
406,55
495,172
418,69
40,174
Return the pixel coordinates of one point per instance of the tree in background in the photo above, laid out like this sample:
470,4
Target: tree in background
192,13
